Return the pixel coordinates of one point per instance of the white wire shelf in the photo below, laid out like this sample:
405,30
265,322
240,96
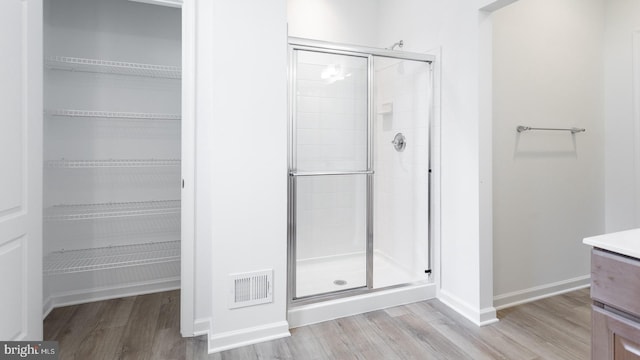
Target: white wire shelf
112,67
111,163
111,210
111,115
71,261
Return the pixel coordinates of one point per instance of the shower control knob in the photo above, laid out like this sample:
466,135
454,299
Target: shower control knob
399,142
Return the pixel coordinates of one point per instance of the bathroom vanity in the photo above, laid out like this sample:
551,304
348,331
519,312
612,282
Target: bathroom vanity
615,291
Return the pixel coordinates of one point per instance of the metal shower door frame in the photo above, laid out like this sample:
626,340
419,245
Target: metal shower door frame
293,174
296,44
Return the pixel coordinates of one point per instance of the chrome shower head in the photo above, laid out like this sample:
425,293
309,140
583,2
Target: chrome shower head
398,44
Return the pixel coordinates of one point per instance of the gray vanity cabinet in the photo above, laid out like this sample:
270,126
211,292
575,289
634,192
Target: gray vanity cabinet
615,290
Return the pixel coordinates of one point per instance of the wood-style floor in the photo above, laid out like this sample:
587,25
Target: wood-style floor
147,327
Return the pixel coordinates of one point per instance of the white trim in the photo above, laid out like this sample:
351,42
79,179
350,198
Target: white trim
338,308
202,327
480,317
540,292
237,338
485,163
106,293
32,176
435,191
187,225
488,316
47,307
636,119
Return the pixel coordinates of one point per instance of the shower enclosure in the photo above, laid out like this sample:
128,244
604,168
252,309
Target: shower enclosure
359,150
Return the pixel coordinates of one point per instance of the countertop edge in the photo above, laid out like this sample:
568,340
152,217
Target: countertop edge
622,242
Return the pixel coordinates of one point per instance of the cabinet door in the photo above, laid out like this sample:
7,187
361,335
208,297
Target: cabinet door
625,348
614,337
21,174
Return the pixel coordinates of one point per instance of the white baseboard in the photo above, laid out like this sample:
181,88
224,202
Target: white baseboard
328,310
233,339
480,317
201,326
540,292
106,293
47,307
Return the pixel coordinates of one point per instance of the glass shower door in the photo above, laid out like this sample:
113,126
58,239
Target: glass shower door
401,203
329,170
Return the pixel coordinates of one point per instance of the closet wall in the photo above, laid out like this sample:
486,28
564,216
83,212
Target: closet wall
112,149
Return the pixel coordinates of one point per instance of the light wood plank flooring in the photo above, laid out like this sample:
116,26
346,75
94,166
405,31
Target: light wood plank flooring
147,327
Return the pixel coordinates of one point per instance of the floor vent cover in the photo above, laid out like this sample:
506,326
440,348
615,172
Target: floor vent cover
251,288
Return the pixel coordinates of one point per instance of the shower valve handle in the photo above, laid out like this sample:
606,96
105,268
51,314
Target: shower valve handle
399,142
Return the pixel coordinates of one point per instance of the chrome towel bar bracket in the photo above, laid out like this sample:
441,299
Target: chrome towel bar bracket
573,130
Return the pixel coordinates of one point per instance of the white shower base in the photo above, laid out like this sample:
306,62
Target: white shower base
302,315
318,275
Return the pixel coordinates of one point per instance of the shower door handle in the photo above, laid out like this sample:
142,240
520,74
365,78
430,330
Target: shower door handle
327,173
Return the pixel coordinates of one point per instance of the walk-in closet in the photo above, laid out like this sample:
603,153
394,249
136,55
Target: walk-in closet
112,97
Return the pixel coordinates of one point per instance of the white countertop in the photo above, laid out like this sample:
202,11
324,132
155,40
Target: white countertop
623,242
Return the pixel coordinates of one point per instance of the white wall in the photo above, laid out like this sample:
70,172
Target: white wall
242,161
622,22
203,130
347,22
547,186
